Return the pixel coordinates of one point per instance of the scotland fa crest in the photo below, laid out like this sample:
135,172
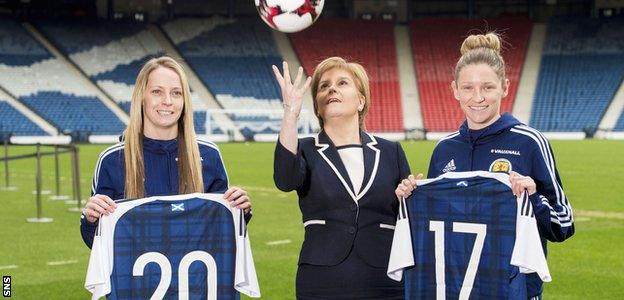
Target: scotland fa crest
501,165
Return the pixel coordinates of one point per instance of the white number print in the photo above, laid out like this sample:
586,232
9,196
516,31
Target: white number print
165,271
473,264
185,263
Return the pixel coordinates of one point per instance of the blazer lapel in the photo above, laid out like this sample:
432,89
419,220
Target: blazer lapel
371,162
328,152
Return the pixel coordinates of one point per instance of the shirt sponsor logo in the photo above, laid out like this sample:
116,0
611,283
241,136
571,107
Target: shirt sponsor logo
500,165
450,166
505,151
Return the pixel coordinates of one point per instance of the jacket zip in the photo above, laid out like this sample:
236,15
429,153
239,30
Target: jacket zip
472,148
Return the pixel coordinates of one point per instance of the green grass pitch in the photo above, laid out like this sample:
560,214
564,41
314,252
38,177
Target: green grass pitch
49,261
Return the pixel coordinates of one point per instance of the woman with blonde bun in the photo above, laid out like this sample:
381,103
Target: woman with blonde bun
487,137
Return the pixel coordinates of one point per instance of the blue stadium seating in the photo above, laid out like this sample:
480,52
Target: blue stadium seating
17,47
235,59
48,87
582,68
15,123
101,37
125,73
125,105
92,33
75,114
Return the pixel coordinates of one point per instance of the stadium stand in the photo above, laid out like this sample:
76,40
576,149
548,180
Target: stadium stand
370,43
17,47
112,53
582,68
233,59
75,113
435,46
15,123
109,52
43,83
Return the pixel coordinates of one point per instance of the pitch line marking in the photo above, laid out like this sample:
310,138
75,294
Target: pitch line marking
280,242
61,262
599,214
8,267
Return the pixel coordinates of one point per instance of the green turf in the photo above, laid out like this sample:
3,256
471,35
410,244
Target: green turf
588,265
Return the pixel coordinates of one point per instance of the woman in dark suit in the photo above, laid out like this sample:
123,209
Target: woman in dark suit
345,179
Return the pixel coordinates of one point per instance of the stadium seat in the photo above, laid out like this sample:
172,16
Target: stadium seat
110,52
370,43
582,68
49,87
233,60
15,123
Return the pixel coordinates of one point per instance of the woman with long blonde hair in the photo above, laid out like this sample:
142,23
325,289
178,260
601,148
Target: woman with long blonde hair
159,154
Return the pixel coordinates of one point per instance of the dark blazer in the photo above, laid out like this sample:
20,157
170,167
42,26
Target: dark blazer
334,222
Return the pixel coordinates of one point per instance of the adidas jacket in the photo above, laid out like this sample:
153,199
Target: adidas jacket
508,145
161,173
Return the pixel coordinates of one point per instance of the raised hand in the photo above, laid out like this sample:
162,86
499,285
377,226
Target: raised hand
292,93
292,97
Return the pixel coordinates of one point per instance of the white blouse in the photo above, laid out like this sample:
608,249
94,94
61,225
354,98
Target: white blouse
353,159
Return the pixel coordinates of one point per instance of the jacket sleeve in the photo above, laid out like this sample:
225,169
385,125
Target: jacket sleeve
404,168
289,170
220,182
552,209
102,184
216,170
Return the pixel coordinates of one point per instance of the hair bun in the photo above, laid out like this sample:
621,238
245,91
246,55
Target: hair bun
475,41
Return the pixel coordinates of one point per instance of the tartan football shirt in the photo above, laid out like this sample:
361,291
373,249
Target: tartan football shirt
184,246
459,236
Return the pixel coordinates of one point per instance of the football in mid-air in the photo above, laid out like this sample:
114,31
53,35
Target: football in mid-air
289,15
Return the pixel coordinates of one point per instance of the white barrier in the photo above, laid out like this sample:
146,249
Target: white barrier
435,136
564,135
217,138
609,135
103,139
46,139
392,136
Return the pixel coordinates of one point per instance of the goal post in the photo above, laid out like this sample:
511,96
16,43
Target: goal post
257,124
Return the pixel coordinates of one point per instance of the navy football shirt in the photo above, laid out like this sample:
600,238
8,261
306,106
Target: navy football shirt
186,246
459,236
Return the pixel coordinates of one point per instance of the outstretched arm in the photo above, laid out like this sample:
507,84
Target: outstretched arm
292,95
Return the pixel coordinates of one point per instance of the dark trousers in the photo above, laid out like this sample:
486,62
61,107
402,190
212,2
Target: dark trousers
351,279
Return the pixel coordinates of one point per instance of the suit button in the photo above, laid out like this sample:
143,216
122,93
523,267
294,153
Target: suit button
351,230
354,207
